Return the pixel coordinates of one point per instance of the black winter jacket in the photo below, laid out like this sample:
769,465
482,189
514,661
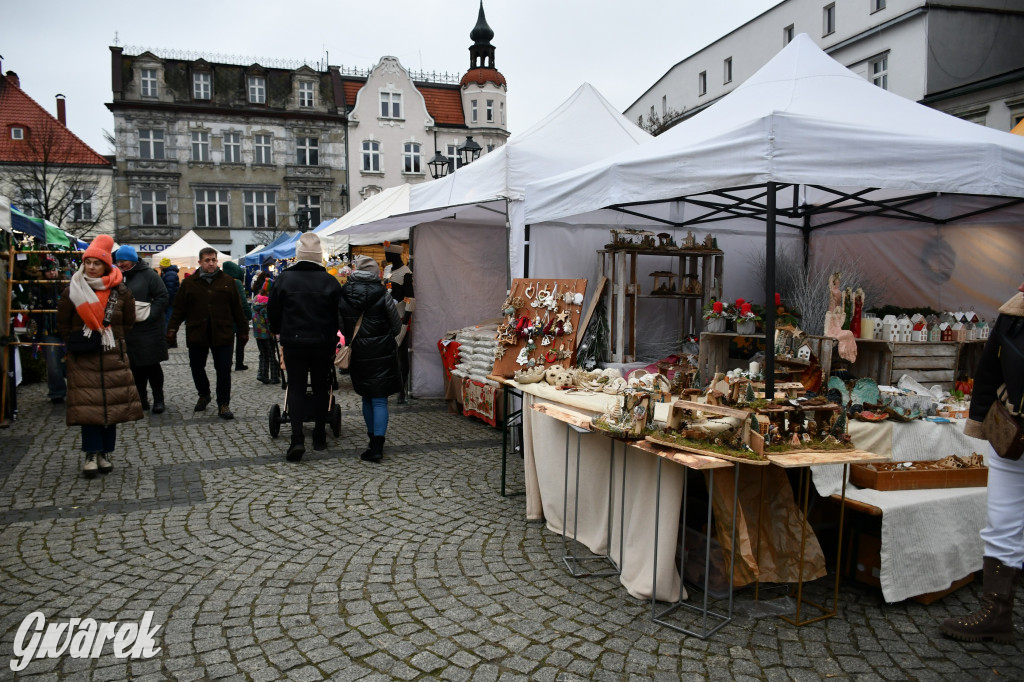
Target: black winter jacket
1002,361
303,307
374,366
146,342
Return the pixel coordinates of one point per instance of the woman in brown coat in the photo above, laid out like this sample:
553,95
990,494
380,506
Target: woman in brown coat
101,388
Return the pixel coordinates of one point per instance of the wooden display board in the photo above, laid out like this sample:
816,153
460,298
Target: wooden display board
526,291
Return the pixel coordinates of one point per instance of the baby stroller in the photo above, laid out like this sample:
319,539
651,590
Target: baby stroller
279,415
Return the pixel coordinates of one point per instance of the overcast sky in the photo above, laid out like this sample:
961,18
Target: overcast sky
544,48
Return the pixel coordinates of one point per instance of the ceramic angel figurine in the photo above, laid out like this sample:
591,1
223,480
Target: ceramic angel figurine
834,319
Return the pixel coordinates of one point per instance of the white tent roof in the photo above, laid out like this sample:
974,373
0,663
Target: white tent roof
392,201
185,252
803,118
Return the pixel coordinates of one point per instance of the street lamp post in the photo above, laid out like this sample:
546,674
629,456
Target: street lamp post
438,165
470,151
302,218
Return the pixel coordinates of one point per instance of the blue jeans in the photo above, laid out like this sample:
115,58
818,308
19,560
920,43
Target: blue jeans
96,438
54,356
375,414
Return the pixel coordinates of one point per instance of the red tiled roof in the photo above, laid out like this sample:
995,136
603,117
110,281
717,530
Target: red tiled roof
19,110
444,105
482,76
352,89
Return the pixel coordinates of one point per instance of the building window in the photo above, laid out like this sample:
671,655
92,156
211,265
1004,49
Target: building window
702,83
877,5
727,70
17,133
147,82
32,202
501,109
154,207
257,90
664,104
828,20
212,208
305,94
307,151
201,85
880,72
200,145
454,160
391,105
412,158
260,208
490,111
232,148
371,156
81,209
472,108
262,150
151,143
787,35
312,202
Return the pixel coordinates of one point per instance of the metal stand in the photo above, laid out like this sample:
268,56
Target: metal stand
573,561
704,610
510,420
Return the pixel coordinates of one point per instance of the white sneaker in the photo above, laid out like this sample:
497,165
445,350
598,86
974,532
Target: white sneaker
103,464
90,468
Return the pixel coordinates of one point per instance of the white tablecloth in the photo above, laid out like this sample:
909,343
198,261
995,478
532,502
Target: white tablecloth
930,538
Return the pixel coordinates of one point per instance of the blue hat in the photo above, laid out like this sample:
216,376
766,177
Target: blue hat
126,253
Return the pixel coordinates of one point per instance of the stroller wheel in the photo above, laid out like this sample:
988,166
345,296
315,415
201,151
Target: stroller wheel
275,420
336,419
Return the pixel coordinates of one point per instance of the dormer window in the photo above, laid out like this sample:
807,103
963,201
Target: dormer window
201,83
17,133
391,105
147,82
306,94
257,90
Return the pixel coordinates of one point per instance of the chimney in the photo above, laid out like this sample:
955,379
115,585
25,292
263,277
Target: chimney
62,115
13,78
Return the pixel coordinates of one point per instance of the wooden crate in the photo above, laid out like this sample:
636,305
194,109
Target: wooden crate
886,476
927,363
714,353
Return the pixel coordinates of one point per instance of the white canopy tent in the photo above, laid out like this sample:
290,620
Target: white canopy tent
392,201
185,252
809,150
464,221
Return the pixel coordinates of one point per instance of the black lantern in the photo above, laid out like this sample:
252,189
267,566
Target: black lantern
470,151
302,218
438,165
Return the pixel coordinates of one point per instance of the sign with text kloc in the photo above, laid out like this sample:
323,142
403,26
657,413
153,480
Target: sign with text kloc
151,248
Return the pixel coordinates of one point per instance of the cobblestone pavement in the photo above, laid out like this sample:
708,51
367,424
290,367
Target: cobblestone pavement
333,568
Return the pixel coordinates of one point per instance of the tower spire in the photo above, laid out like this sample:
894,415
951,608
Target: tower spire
481,52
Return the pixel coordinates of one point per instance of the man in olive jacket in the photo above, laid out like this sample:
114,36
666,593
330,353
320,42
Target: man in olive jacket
208,303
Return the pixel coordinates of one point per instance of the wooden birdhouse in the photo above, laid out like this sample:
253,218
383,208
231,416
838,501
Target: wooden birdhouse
959,331
934,333
804,353
945,332
919,332
972,331
982,329
904,329
890,330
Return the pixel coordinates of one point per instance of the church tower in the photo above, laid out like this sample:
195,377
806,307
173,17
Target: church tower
483,87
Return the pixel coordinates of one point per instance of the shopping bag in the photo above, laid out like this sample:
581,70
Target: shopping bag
1003,431
343,357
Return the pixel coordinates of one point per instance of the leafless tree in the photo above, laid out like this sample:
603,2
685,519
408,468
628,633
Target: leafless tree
45,180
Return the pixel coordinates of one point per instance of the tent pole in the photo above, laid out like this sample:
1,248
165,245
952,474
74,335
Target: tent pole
508,252
769,297
526,253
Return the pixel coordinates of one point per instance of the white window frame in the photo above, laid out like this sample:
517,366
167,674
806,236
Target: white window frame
702,83
150,202
262,143
17,133
200,145
412,158
489,110
232,141
878,71
453,156
307,94
31,202
391,104
151,139
260,207
257,89
370,156
472,109
312,202
215,204
501,110
788,34
307,151
727,70
81,209
828,19
202,85
147,82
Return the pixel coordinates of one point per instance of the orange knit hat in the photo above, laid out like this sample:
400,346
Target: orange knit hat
101,249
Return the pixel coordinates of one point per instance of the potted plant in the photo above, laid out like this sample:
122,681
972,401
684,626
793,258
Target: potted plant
746,320
716,314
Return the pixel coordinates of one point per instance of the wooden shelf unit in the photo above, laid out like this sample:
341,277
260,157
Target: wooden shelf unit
929,363
619,265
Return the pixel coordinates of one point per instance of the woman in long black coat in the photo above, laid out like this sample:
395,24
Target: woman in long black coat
147,345
374,366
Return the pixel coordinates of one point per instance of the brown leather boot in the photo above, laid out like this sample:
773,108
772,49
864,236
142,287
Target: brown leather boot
994,620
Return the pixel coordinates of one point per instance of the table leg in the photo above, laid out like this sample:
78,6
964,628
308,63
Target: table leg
573,561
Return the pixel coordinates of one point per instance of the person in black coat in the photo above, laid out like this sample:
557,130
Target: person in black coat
169,274
303,312
400,280
374,365
999,377
147,345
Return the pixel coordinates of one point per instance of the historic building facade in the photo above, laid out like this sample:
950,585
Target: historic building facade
46,170
963,58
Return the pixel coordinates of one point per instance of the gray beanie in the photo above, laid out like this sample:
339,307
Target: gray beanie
309,249
365,264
